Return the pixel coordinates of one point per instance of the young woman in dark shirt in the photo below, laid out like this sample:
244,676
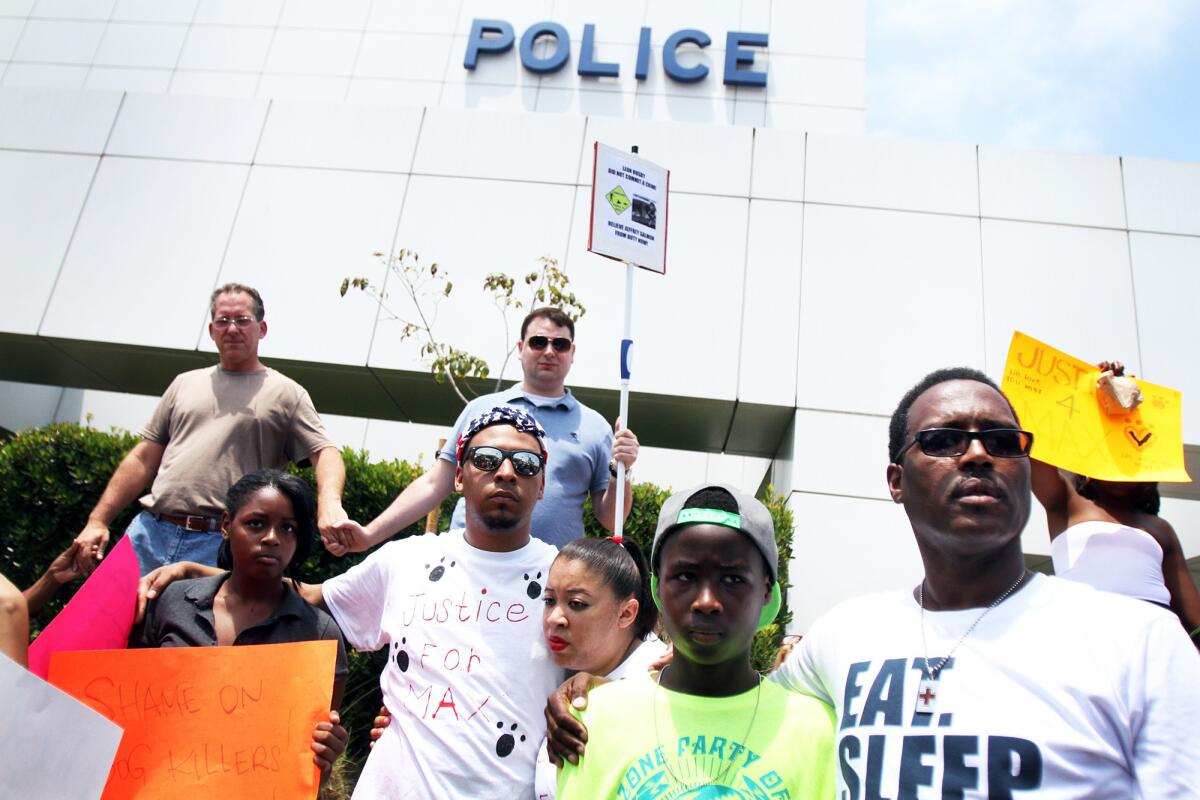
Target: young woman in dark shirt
268,528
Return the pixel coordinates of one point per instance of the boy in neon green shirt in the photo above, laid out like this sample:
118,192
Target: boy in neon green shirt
707,726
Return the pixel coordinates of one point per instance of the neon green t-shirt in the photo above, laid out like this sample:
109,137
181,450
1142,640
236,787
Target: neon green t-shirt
704,748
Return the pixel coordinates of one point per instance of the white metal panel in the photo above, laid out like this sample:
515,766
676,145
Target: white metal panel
516,147
1050,187
177,126
346,15
214,84
120,79
779,157
179,11
842,454
225,47
770,311
40,119
340,136
140,269
379,91
1069,287
1162,196
889,173
316,88
408,56
308,52
136,45
413,16
59,41
74,9
239,12
39,207
886,297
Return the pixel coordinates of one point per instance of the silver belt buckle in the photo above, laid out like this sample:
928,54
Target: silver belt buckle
195,524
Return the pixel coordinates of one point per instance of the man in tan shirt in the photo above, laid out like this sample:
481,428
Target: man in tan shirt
211,427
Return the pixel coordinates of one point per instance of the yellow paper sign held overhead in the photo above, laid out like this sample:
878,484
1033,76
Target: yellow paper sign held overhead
1055,396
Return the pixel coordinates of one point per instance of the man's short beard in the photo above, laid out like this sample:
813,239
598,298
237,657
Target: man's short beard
499,521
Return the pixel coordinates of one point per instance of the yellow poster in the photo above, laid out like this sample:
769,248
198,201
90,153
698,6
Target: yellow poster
1054,394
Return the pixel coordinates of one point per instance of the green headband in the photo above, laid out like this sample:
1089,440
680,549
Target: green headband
712,515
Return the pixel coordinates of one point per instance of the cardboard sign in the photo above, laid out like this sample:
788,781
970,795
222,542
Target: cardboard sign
53,745
1054,394
99,616
208,721
629,209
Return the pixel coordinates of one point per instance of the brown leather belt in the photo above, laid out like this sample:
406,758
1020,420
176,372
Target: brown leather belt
190,522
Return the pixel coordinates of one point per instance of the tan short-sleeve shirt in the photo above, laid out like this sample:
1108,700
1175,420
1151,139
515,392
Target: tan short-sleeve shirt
217,426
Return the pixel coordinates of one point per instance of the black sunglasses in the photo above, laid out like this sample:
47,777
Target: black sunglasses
526,463
561,344
952,442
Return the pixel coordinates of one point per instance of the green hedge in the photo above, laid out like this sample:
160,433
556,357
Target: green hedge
51,477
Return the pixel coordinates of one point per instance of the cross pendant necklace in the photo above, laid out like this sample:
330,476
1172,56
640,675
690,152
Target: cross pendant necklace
927,689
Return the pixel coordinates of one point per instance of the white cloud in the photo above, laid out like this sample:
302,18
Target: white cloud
1016,72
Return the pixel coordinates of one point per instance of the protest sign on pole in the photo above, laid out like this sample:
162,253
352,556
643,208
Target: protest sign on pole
1054,394
99,616
53,745
630,198
208,721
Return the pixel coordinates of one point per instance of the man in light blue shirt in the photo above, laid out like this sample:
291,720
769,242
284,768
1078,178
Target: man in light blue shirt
583,449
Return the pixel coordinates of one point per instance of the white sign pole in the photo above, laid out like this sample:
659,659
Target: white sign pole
630,198
623,407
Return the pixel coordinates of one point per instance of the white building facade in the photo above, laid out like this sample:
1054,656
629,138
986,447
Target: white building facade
150,151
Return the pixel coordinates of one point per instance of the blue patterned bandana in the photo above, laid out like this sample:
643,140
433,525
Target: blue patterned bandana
501,415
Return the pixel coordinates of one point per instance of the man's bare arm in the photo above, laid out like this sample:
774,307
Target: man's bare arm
418,499
133,475
14,623
330,473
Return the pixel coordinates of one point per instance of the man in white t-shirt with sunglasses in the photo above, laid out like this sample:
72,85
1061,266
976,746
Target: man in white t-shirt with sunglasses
583,449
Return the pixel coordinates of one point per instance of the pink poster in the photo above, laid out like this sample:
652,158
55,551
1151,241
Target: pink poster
98,617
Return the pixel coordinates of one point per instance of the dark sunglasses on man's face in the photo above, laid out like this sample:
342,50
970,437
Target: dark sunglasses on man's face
561,344
953,442
526,463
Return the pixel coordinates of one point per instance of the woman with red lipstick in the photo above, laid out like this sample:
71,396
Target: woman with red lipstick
599,617
267,528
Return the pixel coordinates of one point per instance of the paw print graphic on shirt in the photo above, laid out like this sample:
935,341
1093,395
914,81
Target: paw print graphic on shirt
507,741
534,589
439,569
401,655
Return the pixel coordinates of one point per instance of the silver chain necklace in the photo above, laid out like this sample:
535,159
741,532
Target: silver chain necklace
720,776
927,689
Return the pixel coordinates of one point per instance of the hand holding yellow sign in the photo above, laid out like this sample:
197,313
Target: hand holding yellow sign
1055,396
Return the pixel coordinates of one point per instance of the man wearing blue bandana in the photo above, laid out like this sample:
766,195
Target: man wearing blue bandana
582,448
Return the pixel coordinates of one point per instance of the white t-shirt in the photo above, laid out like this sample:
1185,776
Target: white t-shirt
545,784
468,671
1062,691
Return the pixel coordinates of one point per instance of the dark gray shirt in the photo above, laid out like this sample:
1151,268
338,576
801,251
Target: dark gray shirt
182,616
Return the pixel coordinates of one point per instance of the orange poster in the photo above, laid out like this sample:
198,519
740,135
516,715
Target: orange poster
1054,394
222,722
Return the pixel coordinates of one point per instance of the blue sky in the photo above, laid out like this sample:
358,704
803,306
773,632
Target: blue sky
1119,77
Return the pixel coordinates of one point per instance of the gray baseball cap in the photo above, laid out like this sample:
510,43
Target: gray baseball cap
751,518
